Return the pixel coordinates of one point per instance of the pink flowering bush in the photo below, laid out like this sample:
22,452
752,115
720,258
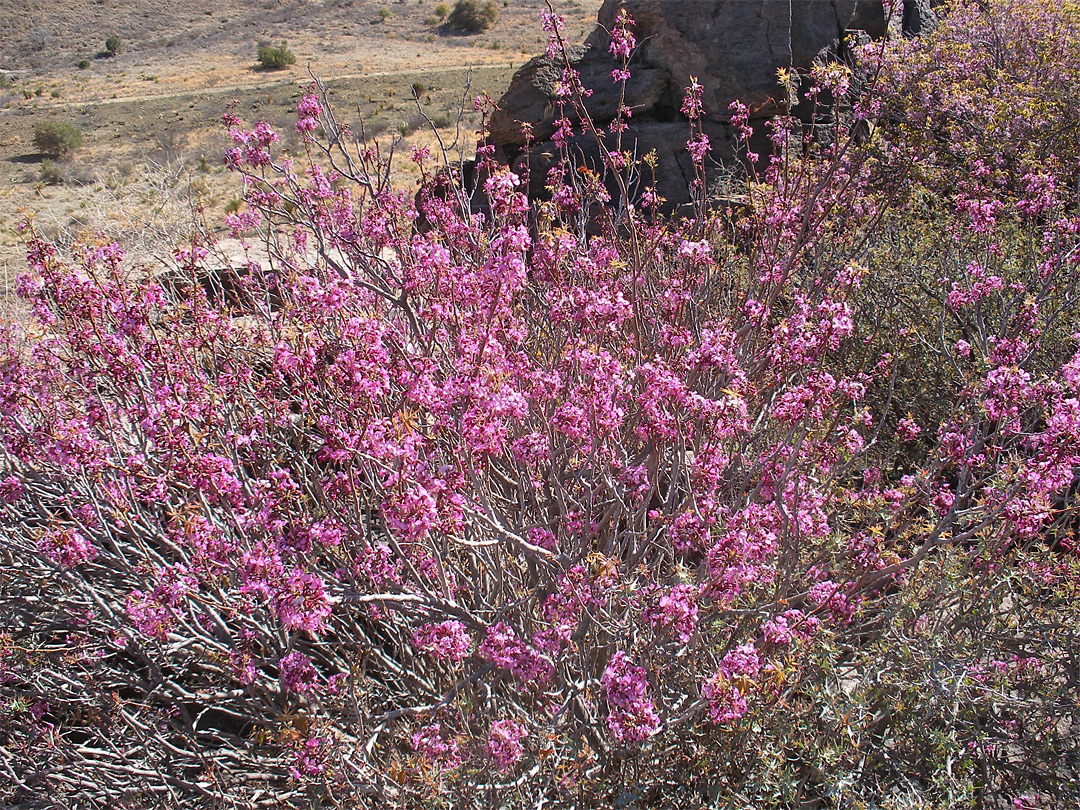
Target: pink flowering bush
473,500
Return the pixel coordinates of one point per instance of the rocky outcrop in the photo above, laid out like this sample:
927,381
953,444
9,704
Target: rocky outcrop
733,47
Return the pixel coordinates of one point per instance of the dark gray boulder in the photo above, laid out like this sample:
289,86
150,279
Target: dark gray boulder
733,47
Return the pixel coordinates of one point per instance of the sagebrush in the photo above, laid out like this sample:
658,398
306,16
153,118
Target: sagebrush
472,16
57,139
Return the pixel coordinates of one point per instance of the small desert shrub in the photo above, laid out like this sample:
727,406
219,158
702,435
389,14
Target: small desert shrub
384,14
57,139
472,16
441,10
37,39
51,172
275,57
84,64
114,45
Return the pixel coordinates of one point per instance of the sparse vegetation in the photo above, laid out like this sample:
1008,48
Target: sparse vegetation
52,172
472,16
57,139
384,14
275,57
83,64
113,45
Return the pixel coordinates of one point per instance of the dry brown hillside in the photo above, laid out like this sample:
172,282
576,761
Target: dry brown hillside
150,113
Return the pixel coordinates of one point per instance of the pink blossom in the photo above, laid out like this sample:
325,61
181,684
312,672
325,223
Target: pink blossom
445,641
66,547
504,744
691,104
301,602
674,611
503,647
297,673
432,744
11,489
632,716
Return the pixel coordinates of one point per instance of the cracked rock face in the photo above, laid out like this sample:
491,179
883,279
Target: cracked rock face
733,47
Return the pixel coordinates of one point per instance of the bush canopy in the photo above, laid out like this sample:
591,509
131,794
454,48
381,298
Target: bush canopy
57,139
472,16
275,57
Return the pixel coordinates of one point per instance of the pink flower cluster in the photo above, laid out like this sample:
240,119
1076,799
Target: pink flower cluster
504,648
838,599
308,111
504,743
623,41
445,641
436,747
301,602
790,626
66,547
155,613
725,691
673,610
297,673
632,717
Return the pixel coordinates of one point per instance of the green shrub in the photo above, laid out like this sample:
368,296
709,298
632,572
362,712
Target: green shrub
56,139
472,16
84,64
114,45
441,10
275,57
384,14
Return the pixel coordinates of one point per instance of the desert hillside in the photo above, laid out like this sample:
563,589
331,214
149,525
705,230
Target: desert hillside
150,114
